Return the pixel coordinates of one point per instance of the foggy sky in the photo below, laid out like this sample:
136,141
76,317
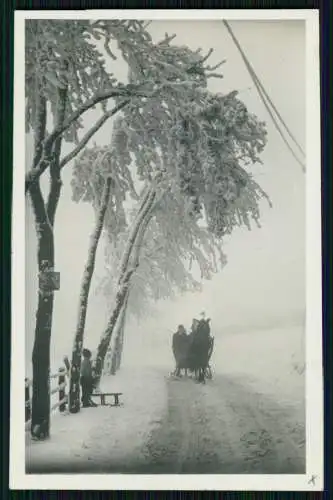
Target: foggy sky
264,280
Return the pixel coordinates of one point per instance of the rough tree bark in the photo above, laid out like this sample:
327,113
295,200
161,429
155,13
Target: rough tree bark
55,169
118,344
44,217
107,335
145,208
74,394
119,341
113,351
123,285
120,350
40,419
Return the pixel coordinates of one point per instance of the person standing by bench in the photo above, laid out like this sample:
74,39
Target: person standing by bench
86,379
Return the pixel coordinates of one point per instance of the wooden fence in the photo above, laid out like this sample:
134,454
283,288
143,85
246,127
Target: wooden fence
59,393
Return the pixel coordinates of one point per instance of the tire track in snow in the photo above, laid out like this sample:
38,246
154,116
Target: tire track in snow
259,429
224,427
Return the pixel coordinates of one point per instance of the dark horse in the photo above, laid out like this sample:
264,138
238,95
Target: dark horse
199,351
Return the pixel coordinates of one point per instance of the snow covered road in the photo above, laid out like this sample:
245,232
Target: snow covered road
176,426
224,428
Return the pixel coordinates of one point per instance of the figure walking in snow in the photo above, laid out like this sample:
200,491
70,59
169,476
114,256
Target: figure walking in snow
86,379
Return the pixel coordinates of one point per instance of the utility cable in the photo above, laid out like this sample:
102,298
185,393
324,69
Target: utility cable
267,100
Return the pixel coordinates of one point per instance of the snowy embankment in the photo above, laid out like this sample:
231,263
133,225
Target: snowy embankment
271,362
103,435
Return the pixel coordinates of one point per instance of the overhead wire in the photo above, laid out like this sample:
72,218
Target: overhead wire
267,100
263,96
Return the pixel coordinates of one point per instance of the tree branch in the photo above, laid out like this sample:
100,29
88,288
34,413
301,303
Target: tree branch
55,186
128,91
39,136
167,39
38,205
144,210
145,26
92,132
36,195
216,66
45,161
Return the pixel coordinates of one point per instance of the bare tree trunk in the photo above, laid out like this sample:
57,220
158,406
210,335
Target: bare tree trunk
146,205
106,337
107,362
117,350
124,284
119,342
56,183
44,217
40,420
121,348
112,352
74,394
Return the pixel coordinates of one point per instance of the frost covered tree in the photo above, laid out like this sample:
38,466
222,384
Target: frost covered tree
60,62
194,156
175,71
66,76
165,254
102,178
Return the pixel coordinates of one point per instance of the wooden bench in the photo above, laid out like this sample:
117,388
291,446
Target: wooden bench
103,395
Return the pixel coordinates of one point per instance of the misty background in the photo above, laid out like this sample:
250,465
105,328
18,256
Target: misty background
262,286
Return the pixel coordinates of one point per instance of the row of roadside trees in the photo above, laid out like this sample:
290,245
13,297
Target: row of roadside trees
178,151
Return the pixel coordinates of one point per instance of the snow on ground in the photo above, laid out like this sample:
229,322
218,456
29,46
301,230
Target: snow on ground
80,438
271,362
268,362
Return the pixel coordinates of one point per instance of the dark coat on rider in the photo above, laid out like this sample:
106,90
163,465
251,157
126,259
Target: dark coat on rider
180,348
199,347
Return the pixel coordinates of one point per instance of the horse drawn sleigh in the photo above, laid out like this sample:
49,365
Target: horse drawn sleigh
193,352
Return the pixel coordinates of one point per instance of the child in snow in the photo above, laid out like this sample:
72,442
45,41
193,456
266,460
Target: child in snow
86,379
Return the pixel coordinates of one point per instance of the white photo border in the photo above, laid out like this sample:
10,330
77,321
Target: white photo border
19,480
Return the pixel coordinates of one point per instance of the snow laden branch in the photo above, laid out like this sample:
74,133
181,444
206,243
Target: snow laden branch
196,145
206,147
64,55
46,158
92,131
164,248
200,144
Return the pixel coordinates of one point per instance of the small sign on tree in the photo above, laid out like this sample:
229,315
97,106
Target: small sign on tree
49,281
